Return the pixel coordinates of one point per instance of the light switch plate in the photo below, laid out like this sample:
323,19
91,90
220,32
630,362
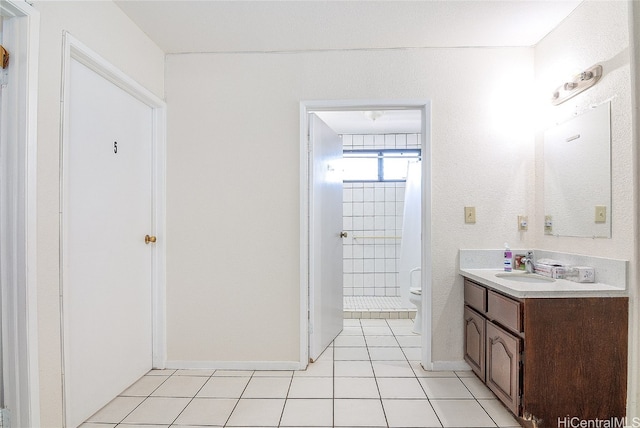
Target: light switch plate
548,225
469,214
601,214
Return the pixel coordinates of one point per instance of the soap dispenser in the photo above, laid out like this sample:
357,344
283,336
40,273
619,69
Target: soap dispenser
508,258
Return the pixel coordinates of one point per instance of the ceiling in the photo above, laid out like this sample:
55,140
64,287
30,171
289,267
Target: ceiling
212,26
180,26
357,122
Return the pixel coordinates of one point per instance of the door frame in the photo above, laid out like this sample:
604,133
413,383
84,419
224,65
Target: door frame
76,50
306,207
18,283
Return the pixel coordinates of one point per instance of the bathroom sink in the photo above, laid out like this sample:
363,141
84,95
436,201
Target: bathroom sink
525,277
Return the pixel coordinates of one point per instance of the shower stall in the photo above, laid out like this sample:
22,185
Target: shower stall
381,215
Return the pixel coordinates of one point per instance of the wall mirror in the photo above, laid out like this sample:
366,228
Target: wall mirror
577,176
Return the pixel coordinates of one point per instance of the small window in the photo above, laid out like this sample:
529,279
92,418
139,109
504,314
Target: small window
377,165
360,166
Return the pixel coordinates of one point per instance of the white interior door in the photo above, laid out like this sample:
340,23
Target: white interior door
326,291
107,267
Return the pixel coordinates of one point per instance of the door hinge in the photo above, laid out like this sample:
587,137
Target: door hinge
4,57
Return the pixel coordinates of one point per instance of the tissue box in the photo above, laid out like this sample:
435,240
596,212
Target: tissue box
557,272
581,274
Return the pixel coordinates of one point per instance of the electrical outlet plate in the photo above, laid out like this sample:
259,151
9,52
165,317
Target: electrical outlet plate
601,214
523,223
548,225
469,214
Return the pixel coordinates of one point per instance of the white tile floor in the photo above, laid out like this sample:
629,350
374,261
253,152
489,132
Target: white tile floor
369,377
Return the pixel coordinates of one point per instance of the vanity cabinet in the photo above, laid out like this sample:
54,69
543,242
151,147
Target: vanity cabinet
547,358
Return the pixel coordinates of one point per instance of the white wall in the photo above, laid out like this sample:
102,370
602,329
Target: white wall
104,28
233,182
597,32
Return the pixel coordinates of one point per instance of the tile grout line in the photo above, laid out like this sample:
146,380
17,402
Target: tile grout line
417,379
253,372
145,397
332,347
384,413
192,398
476,399
286,399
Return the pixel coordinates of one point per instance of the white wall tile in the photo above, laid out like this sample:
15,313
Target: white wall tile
369,265
347,209
368,251
368,194
358,223
358,280
358,194
368,208
368,140
401,141
390,141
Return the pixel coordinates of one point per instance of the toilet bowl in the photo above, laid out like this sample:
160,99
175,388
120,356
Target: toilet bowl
415,297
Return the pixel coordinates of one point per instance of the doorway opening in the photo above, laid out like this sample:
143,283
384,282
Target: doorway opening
386,236
381,210
18,311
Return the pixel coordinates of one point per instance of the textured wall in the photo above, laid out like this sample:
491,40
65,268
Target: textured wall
597,32
233,293
105,29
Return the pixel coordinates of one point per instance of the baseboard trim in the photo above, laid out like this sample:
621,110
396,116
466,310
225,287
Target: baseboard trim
234,365
440,366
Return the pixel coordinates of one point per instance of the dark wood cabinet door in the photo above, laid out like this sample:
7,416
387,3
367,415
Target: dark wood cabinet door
474,341
503,365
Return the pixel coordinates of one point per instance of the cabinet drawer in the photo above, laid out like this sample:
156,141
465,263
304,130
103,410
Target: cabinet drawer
475,296
504,310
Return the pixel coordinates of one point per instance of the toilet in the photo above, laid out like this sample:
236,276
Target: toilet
415,297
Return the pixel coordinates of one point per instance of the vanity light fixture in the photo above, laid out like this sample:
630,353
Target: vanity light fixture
578,83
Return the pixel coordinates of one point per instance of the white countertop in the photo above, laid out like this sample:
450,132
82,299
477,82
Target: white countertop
560,288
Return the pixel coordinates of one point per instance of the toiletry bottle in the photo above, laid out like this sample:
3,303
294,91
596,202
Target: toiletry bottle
508,258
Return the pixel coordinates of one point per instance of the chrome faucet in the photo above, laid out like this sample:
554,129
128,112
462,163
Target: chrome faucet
529,265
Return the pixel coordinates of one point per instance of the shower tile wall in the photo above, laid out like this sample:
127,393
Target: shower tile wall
372,217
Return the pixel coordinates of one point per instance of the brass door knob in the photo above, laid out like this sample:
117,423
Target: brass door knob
148,239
